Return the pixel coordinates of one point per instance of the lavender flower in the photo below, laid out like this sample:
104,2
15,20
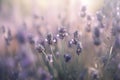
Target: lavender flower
55,40
74,41
76,34
96,41
99,16
101,25
83,9
83,14
96,32
70,43
62,33
117,41
31,39
89,18
49,39
21,37
67,57
39,48
79,48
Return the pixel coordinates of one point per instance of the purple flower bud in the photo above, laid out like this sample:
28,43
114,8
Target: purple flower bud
70,43
96,41
30,39
83,14
99,16
49,39
83,9
21,37
118,28
54,40
113,31
117,41
76,34
101,25
62,33
89,18
67,57
74,41
39,48
96,32
79,48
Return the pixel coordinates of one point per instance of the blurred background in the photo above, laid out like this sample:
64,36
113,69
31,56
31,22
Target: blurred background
17,11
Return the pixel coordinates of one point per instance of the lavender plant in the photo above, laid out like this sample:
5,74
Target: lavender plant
65,55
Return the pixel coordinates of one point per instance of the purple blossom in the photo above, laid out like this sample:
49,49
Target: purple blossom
79,48
67,57
62,33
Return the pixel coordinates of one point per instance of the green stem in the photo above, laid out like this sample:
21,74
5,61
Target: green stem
52,52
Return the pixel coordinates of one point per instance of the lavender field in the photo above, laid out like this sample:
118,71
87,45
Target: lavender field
59,40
